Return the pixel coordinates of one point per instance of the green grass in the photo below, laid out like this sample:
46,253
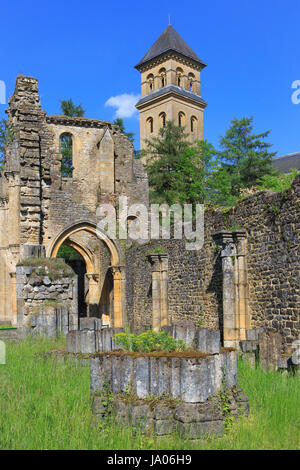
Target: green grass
45,405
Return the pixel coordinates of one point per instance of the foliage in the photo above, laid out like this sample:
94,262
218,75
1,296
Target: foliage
245,156
70,109
68,253
130,135
149,341
278,183
45,404
174,167
6,137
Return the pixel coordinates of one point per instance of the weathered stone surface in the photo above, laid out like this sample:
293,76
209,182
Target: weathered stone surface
270,348
208,341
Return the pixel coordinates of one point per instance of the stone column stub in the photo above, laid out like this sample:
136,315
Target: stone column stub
235,292
160,311
119,293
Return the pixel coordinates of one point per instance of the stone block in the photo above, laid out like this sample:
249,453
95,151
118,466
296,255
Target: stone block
270,348
248,346
90,323
230,368
73,343
252,335
126,373
208,341
164,427
194,382
198,429
142,377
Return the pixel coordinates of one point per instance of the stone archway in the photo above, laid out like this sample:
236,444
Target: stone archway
118,316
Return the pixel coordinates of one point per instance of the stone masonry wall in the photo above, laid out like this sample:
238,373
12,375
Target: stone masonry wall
272,222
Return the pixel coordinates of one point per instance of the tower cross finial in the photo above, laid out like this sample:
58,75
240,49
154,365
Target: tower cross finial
169,18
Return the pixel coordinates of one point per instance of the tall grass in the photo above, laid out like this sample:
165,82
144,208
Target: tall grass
45,405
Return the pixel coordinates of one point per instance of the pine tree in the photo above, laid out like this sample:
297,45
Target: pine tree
70,109
245,156
119,122
174,167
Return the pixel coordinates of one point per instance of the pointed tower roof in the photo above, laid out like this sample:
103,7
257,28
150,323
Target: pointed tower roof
170,40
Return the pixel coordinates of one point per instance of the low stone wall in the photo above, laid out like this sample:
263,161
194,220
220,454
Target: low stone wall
191,378
161,393
200,339
164,417
265,348
91,341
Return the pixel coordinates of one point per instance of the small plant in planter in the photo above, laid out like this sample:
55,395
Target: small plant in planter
149,341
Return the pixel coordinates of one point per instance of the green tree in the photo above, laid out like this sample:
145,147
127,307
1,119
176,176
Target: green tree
119,122
6,137
70,109
245,156
175,167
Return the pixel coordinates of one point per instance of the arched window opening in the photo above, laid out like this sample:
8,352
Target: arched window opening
191,78
193,124
66,148
162,118
162,74
150,125
181,119
150,81
179,73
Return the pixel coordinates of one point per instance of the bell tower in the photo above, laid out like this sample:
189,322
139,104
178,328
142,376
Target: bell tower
170,82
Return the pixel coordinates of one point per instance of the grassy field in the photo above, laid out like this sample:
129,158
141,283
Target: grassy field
45,405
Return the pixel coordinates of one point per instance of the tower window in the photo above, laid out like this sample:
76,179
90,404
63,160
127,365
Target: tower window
179,74
191,78
150,125
181,117
193,124
66,148
150,81
162,118
162,74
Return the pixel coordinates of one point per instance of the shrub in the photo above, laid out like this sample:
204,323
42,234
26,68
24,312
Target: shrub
149,341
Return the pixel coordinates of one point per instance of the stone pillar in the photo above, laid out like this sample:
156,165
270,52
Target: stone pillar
242,283
119,279
235,286
160,311
14,297
228,252
93,295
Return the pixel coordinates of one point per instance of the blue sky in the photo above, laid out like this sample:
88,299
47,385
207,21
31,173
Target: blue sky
87,50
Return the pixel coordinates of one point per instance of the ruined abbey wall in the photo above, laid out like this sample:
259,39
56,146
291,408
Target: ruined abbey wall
272,224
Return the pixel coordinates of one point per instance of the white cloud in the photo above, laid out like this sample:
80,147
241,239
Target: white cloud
124,103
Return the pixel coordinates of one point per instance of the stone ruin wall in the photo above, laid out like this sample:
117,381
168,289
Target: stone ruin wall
272,223
37,203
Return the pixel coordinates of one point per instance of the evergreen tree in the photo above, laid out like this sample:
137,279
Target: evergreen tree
119,122
70,109
174,167
245,156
